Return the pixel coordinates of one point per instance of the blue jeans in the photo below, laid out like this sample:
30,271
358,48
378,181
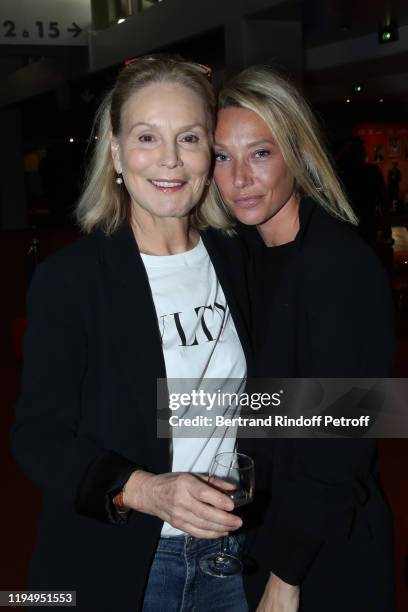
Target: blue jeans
177,584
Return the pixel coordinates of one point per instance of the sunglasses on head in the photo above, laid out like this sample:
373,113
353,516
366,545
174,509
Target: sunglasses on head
205,70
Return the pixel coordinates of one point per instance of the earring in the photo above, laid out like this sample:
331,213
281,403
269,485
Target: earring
119,180
208,182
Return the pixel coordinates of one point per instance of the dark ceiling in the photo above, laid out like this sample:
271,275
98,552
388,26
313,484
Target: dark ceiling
56,79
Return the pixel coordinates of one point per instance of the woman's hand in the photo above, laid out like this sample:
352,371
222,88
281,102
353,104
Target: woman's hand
279,596
186,501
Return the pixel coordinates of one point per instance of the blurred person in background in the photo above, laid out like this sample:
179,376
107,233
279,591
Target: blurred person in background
366,191
394,177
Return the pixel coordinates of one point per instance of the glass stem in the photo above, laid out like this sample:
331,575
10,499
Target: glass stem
224,544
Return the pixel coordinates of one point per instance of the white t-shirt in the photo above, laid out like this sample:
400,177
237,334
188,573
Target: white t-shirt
199,342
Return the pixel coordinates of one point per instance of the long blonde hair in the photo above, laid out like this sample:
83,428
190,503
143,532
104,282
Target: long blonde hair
105,204
295,130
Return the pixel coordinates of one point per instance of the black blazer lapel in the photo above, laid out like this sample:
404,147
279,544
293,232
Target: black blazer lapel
134,330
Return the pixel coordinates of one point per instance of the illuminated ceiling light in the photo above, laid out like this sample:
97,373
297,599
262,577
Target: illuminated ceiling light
71,140
381,100
358,88
388,33
121,20
388,27
96,138
348,100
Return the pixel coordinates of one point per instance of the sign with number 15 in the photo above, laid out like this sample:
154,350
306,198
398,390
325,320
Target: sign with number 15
45,22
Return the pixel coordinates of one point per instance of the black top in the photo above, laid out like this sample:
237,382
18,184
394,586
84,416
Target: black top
269,274
321,308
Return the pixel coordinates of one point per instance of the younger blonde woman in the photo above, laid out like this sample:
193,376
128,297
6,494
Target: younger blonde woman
321,308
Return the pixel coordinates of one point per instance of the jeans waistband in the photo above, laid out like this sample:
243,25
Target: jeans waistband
183,543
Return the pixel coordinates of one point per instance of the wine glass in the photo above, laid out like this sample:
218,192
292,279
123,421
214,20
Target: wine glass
237,469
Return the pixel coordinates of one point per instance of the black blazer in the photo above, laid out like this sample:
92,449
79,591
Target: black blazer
327,525
87,413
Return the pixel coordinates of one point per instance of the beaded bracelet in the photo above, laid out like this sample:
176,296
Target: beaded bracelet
118,502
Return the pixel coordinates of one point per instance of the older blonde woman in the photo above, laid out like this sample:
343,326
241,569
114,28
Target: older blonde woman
146,295
321,308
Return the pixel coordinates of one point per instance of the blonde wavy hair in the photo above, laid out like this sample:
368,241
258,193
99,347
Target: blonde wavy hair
104,204
294,127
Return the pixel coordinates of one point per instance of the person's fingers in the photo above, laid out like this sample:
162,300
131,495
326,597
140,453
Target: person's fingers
184,497
215,516
196,532
221,484
209,495
186,506
218,483
207,524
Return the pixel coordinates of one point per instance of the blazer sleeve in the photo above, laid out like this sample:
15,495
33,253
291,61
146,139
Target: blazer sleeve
48,438
345,330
